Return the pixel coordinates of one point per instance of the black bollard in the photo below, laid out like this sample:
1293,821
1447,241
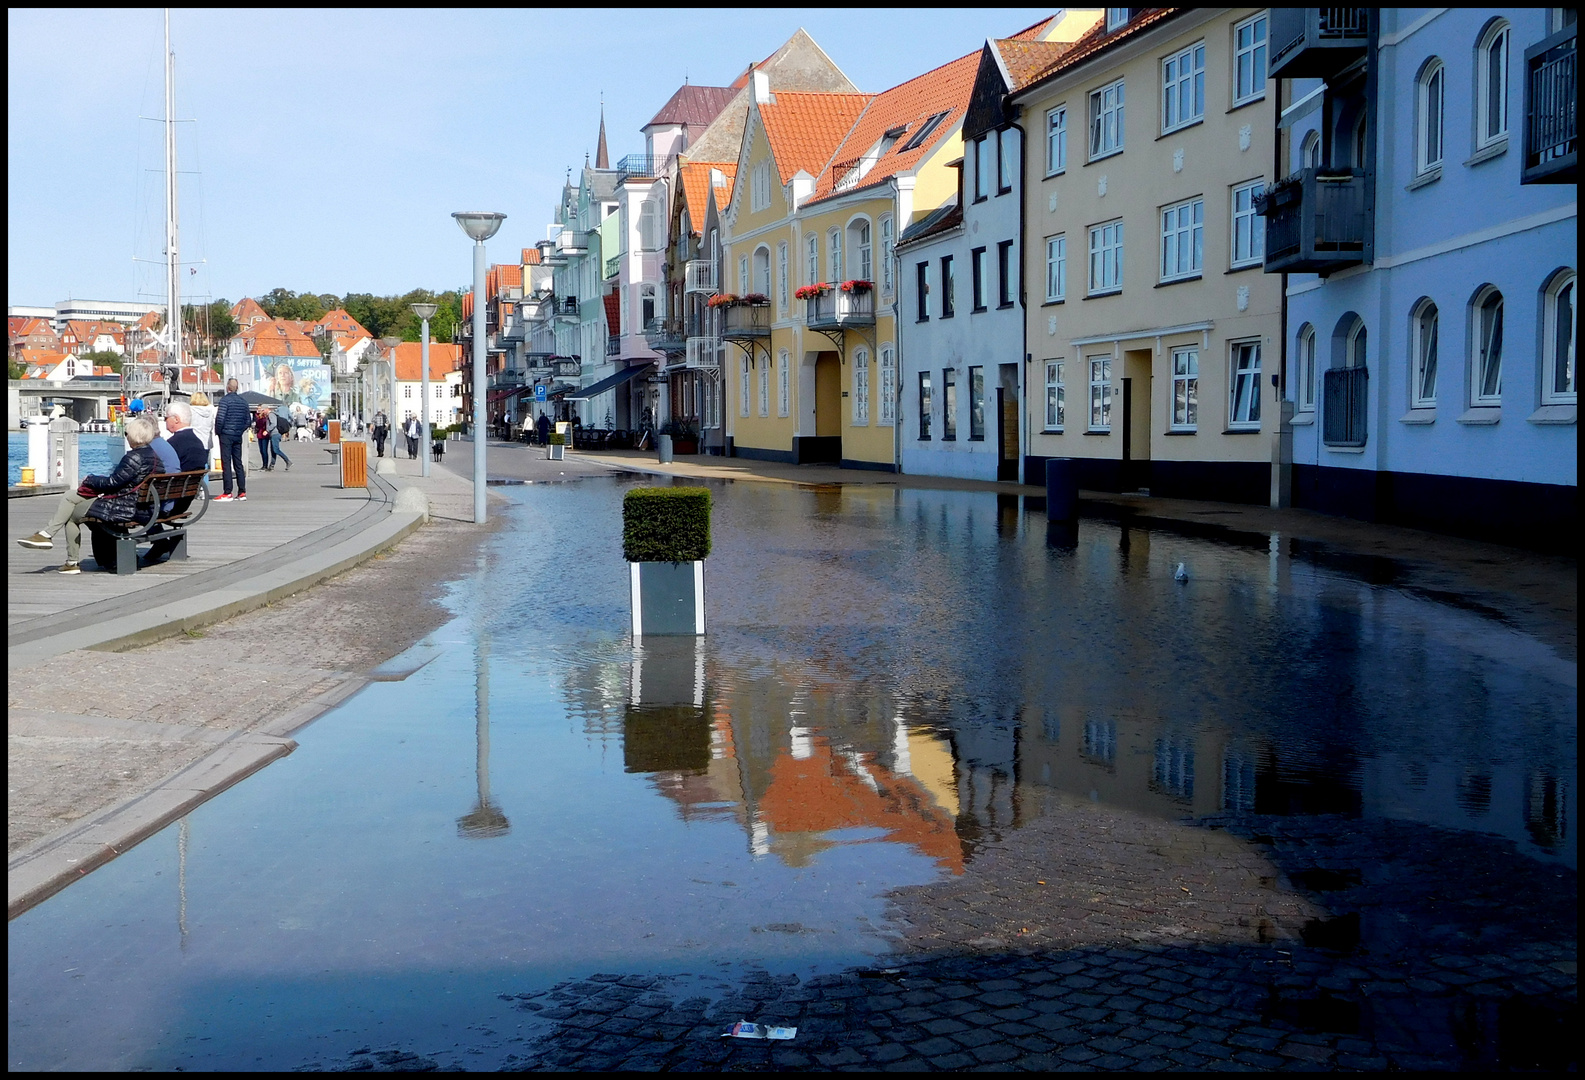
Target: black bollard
1062,489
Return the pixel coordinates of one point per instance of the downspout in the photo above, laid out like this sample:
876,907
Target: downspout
1282,455
897,329
1010,109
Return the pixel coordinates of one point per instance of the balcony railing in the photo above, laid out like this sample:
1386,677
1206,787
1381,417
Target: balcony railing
572,242
1316,222
1343,404
645,165
1551,129
613,266
613,345
700,276
1316,43
566,307
746,321
664,335
837,309
703,352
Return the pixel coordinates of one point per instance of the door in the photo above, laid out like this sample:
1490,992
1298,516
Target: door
1136,421
828,396
1007,420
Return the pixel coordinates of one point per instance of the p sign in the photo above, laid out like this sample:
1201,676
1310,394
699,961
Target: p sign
539,393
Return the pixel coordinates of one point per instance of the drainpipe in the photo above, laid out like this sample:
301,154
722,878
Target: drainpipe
897,329
1282,452
1009,109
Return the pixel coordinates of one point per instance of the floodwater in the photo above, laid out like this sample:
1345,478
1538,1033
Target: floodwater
888,672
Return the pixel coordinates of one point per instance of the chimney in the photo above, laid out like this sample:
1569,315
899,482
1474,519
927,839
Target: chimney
761,89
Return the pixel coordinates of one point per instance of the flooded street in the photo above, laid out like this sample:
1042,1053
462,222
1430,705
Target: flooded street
912,708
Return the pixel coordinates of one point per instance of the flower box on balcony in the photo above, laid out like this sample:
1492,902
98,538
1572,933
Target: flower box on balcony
809,292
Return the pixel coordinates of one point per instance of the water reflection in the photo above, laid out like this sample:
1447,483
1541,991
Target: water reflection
485,819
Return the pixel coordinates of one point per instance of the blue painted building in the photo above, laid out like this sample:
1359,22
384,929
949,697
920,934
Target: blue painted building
1427,232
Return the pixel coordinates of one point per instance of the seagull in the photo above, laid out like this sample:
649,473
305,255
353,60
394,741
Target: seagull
1180,574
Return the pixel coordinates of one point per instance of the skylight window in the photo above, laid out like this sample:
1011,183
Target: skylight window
925,131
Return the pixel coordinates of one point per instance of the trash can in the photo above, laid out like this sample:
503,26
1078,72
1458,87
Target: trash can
663,448
1062,489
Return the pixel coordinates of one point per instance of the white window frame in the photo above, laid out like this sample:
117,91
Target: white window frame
760,188
1304,368
1243,385
764,389
1249,228
781,274
1056,267
743,385
783,383
834,254
1430,117
763,285
1186,375
1100,372
1106,243
861,387
949,404
866,249
742,274
812,260
1310,151
1116,19
1485,349
1249,59
1494,47
888,273
1424,332
888,409
1106,117
1006,167
1558,356
1183,240
1057,140
1183,88
1056,397
982,168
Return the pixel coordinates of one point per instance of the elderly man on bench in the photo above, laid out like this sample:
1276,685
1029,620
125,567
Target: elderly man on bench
112,498
191,456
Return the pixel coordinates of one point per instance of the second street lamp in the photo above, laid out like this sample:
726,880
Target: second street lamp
425,312
479,226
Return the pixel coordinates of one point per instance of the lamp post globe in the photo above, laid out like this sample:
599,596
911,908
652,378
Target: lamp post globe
480,226
425,312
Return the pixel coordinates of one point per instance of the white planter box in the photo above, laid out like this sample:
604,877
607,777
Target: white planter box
668,598
555,452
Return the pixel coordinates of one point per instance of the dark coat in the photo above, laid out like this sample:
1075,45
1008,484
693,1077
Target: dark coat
189,450
233,417
117,497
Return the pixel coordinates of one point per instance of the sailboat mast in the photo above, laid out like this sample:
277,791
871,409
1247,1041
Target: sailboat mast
173,308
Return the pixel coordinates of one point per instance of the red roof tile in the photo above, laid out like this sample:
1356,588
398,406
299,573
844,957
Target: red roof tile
805,129
410,361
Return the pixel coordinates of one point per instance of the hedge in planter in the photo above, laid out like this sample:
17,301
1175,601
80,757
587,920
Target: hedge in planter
666,524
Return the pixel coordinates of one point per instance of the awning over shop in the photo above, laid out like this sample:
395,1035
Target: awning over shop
509,392
609,383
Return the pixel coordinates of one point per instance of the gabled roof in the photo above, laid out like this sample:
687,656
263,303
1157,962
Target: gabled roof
695,187
531,256
693,105
1096,40
806,129
340,322
410,361
244,311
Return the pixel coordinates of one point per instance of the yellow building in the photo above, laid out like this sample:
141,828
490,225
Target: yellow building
825,182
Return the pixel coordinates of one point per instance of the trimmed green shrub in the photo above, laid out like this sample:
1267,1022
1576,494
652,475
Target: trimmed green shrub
666,524
556,438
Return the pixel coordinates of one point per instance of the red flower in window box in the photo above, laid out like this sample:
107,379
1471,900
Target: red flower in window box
809,292
721,299
858,286
754,299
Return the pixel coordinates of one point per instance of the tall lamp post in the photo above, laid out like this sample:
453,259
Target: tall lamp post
425,312
479,226
391,421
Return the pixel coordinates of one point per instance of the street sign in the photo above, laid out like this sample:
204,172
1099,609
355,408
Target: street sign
539,393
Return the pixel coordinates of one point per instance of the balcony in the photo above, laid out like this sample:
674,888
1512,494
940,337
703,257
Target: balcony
613,345
613,266
703,352
566,308
536,308
1551,94
644,166
664,336
1343,405
838,310
1316,43
572,242
700,276
743,321
1317,222
550,254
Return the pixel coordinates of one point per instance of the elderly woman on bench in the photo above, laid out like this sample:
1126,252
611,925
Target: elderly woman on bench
110,498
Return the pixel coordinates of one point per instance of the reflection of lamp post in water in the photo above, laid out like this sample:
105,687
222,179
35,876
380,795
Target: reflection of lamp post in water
485,819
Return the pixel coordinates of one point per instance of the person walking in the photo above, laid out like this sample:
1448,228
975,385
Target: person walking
110,498
279,426
543,427
262,423
414,432
379,431
232,418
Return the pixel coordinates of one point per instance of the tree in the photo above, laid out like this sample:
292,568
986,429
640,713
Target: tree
105,358
14,369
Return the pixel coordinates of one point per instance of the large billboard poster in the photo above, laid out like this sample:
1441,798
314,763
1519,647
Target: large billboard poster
293,379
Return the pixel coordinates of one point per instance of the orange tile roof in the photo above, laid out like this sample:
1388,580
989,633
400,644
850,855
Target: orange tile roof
1096,40
695,184
503,276
805,129
531,256
341,322
945,89
410,361
1026,60
613,314
243,310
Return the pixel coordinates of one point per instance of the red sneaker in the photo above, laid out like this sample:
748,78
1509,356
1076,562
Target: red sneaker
227,497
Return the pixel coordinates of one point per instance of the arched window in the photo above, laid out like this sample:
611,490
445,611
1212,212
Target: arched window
1428,116
1485,354
886,255
812,261
1423,334
1344,419
1304,369
783,384
1354,346
863,266
889,384
1491,84
1310,151
764,388
743,384
1560,315
861,386
761,280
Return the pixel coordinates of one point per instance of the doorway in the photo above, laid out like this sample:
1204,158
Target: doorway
1007,421
825,445
1136,420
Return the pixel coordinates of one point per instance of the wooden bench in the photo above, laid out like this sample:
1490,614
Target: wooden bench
115,544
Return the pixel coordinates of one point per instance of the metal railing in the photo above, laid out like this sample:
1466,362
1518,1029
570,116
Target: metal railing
1343,405
613,266
645,165
1313,42
703,352
613,345
746,321
1551,130
700,276
1340,22
1316,218
664,335
837,308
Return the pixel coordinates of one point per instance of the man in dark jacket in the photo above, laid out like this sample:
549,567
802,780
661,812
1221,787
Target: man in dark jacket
542,426
233,417
191,457
110,498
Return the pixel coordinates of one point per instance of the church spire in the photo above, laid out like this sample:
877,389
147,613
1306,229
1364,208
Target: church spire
602,160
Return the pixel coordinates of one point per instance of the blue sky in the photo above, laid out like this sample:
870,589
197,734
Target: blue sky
332,146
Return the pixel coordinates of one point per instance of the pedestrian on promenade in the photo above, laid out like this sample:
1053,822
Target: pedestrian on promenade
279,426
380,431
203,419
543,427
232,417
263,424
104,498
414,432
191,456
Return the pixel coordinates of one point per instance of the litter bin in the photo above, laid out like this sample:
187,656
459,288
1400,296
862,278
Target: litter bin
1062,489
663,448
354,463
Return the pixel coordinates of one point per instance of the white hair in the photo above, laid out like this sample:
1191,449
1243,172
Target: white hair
141,431
179,411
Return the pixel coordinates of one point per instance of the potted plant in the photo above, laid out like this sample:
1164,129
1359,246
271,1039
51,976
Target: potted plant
809,292
556,450
721,299
665,540
684,436
858,286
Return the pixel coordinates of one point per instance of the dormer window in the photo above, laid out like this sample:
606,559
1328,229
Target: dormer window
1116,17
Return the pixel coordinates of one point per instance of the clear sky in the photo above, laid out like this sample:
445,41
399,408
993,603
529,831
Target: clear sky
330,147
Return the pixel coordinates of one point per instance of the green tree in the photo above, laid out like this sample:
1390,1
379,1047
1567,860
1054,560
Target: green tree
14,369
106,358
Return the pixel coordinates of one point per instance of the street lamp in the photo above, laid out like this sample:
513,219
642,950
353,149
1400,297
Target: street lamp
391,422
479,226
425,312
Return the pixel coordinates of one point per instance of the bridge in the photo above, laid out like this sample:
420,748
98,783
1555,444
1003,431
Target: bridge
83,398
